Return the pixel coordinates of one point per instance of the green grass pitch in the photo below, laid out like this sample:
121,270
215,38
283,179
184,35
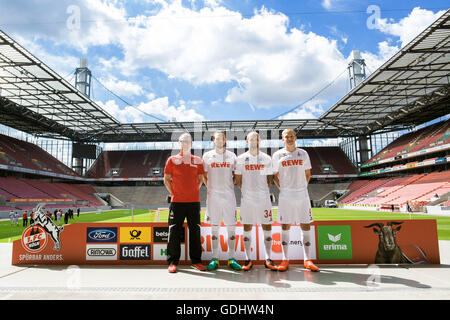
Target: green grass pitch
11,233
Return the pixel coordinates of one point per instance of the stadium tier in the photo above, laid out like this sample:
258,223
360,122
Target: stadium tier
417,189
24,193
428,137
150,163
21,154
129,164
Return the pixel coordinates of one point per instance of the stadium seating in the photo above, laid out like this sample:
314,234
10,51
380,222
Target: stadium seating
11,187
427,137
139,163
417,188
23,154
129,164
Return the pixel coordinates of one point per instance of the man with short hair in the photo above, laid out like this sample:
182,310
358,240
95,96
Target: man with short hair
254,176
292,172
183,177
24,218
219,165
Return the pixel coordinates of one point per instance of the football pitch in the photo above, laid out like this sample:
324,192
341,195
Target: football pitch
9,233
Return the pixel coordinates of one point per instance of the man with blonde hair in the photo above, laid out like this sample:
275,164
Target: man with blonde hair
254,176
292,172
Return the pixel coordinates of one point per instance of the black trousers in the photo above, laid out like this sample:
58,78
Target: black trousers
178,212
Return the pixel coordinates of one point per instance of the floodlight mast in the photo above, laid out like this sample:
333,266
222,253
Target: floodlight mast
356,69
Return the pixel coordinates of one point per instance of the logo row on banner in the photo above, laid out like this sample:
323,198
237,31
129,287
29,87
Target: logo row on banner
341,242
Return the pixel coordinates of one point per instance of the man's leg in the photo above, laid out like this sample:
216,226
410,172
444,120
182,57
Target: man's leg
247,246
176,220
193,220
306,240
267,230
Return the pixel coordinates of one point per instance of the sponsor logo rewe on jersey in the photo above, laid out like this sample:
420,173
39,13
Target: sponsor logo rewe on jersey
251,167
335,242
220,165
290,163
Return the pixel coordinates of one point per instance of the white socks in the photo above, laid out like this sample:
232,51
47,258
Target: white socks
231,241
285,237
267,242
215,241
306,240
247,244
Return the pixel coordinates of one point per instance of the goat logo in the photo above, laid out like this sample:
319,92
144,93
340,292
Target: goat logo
388,249
40,219
334,238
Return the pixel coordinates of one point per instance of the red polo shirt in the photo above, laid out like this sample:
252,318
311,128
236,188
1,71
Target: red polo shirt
184,171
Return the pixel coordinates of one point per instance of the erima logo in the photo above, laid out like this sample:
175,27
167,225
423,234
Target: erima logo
334,238
334,246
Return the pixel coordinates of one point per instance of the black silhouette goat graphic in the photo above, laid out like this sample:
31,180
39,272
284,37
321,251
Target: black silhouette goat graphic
388,249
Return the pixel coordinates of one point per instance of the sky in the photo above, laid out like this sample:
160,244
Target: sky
204,60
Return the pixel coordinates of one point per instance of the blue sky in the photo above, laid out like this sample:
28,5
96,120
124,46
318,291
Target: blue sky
215,59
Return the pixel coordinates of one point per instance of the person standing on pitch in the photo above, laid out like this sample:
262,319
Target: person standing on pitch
254,176
183,177
219,166
292,172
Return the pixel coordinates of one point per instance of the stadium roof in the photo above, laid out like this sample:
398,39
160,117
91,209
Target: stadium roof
35,99
410,89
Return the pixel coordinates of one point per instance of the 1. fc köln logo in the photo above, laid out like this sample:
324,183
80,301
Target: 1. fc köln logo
34,239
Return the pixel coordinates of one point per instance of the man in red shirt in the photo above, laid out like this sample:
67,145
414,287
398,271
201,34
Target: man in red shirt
25,218
183,177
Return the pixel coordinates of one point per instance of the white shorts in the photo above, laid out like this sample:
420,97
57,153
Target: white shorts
256,212
221,206
294,208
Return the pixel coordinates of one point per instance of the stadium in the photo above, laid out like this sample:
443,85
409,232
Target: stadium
392,162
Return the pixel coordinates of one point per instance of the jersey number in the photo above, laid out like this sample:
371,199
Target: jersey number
267,214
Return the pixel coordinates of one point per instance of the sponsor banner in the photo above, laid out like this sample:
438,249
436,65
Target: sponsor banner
101,252
160,252
337,242
295,244
223,243
106,234
161,235
135,252
46,200
135,234
354,242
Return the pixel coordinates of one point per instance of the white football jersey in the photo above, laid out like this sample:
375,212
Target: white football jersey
254,171
219,168
291,167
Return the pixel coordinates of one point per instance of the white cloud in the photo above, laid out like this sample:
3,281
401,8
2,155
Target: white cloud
409,27
159,107
121,87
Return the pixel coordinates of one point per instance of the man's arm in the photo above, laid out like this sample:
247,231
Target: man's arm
270,180
200,180
168,182
276,179
205,179
308,175
238,180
